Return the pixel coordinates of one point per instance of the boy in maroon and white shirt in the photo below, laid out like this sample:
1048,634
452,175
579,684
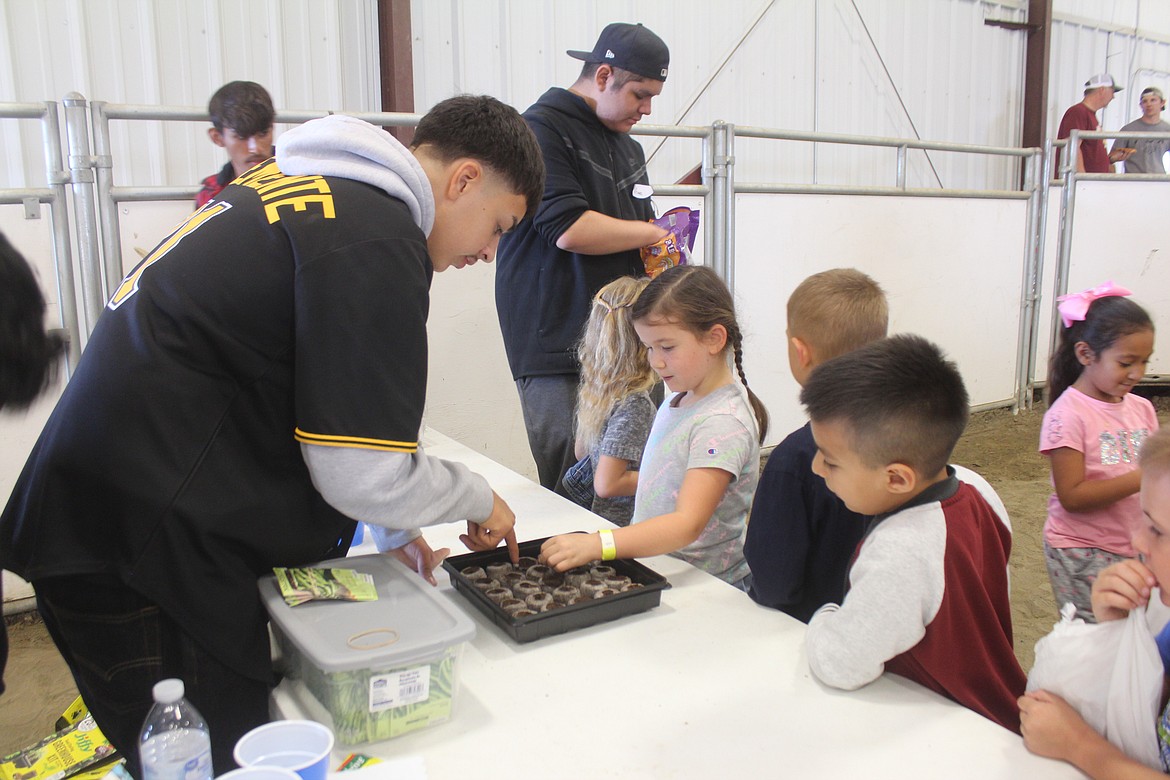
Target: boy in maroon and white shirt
927,593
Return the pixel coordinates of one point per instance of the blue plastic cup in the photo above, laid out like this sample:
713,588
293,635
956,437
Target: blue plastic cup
259,773
302,746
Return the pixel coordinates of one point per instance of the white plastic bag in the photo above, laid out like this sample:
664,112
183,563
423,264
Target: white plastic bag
1135,690
1111,673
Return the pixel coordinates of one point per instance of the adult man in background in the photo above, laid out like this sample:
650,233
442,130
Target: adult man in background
1147,154
1099,92
591,222
241,123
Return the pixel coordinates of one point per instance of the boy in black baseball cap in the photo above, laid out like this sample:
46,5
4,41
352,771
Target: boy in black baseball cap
630,47
592,220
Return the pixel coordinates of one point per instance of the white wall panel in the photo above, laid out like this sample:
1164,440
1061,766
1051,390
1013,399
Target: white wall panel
950,268
309,54
1124,247
1112,240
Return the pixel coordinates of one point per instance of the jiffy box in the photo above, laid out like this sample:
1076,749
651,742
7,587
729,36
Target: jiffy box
379,668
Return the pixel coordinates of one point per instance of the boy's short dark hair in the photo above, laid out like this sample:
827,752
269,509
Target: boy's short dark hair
243,106
837,311
901,400
484,129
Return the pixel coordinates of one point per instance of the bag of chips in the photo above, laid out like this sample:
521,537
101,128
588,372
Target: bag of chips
675,249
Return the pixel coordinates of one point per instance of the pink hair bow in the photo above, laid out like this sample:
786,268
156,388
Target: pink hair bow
1074,306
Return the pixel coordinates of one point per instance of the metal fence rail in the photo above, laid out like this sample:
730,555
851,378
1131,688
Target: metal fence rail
108,195
1031,190
97,230
55,197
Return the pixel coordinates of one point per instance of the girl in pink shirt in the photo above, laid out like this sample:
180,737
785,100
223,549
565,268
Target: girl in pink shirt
1091,434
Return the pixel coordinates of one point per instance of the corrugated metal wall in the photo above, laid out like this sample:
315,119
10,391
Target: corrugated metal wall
309,54
926,68
872,67
906,68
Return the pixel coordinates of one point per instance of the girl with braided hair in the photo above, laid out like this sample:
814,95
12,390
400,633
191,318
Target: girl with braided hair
702,460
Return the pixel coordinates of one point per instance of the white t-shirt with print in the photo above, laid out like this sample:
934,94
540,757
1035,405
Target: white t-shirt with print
718,431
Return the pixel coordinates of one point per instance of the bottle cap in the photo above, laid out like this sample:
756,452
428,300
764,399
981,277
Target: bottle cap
168,691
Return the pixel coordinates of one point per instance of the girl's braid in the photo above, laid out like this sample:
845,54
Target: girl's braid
737,350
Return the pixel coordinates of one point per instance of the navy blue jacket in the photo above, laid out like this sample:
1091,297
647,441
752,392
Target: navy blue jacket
801,537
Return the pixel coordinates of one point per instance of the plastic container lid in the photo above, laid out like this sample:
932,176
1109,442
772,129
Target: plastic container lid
410,621
168,691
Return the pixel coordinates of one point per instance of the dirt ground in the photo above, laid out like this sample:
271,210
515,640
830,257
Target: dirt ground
999,445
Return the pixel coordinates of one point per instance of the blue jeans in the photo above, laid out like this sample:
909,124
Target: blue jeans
118,644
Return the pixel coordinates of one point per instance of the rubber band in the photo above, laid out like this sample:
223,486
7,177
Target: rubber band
353,640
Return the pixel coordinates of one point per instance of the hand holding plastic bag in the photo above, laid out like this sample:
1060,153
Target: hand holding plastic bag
1110,673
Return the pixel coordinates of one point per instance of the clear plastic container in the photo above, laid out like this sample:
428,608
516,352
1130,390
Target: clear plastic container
175,743
376,669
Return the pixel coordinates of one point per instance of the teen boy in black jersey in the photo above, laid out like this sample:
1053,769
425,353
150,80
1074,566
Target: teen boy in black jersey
254,386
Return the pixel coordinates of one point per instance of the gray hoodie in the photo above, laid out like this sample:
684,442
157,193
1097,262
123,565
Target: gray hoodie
396,493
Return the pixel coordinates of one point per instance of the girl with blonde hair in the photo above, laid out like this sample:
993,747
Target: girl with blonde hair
614,408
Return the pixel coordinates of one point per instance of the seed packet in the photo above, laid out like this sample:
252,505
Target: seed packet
357,761
301,585
675,248
71,750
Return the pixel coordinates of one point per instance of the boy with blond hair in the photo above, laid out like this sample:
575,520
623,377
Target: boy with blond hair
927,596
800,536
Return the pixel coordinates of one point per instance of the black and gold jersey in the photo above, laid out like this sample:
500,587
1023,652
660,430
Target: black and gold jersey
290,309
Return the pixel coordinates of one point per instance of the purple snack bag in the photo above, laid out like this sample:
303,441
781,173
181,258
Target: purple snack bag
675,249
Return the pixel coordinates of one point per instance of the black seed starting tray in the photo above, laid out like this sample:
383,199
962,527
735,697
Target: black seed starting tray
561,619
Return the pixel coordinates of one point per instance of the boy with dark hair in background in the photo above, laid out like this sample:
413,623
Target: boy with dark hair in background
928,589
241,123
801,537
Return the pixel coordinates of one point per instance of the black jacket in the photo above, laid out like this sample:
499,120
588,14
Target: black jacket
543,293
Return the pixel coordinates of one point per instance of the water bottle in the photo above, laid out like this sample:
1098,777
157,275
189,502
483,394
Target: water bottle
174,743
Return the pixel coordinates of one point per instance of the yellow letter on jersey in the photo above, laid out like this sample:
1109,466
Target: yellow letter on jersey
129,285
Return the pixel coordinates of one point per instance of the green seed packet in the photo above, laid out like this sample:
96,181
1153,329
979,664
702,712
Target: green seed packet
305,584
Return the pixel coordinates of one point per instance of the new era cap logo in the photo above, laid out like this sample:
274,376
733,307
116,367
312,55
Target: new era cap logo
609,55
664,74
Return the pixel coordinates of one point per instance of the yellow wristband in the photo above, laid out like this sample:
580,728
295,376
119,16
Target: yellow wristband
608,549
